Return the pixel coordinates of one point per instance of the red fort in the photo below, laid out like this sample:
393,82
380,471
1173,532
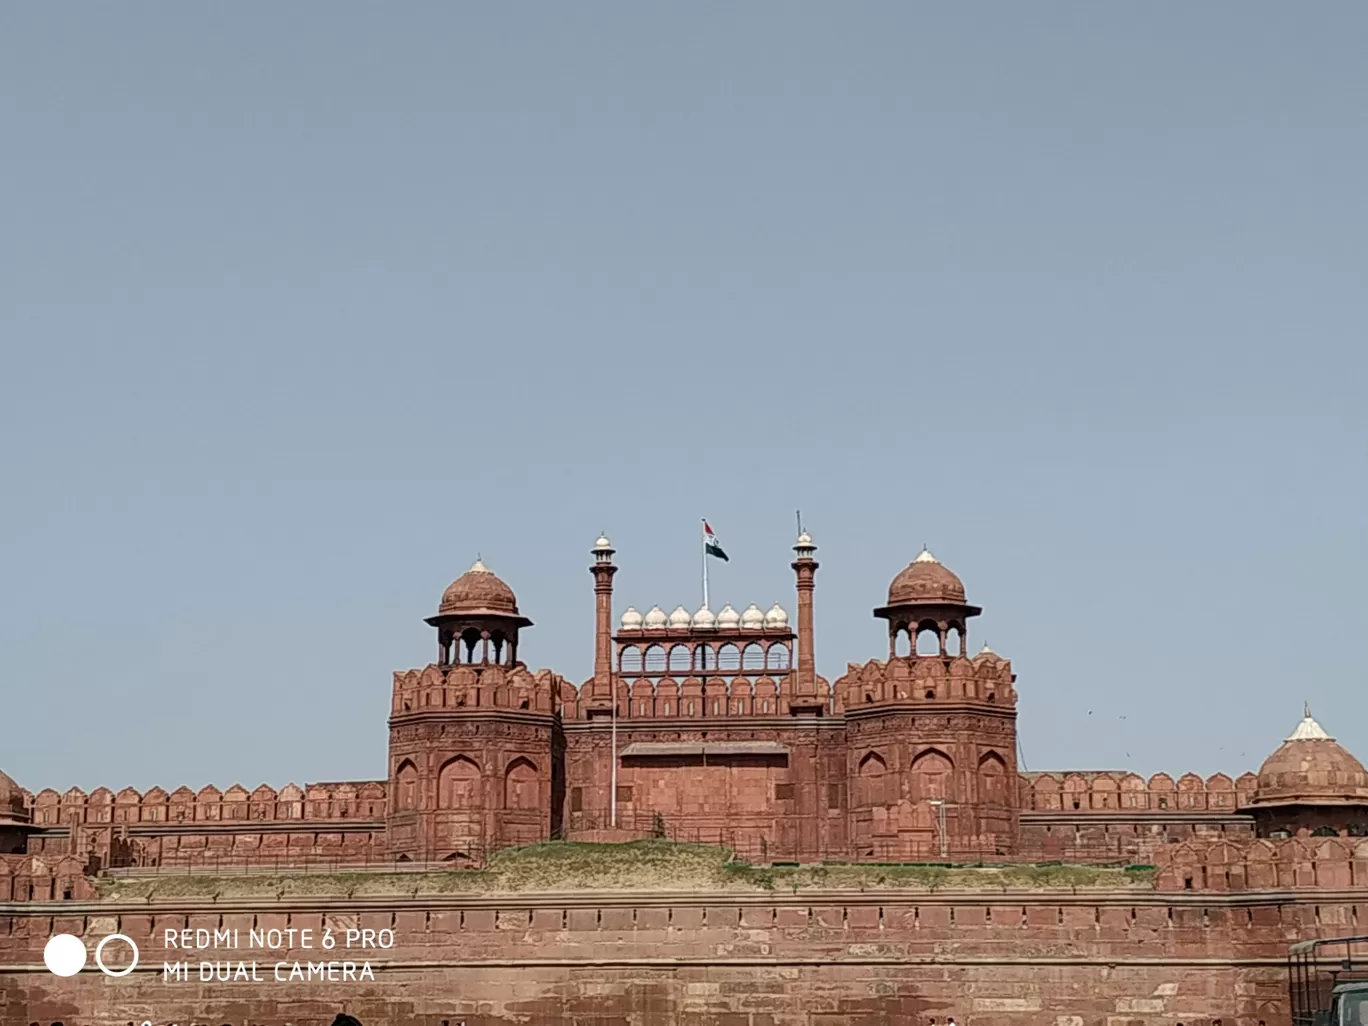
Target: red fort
715,726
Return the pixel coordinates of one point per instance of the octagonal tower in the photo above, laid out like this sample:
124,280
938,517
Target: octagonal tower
932,737
471,735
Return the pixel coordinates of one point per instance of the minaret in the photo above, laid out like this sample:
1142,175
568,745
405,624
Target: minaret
805,567
603,571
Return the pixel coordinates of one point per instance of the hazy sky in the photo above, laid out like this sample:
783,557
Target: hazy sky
306,305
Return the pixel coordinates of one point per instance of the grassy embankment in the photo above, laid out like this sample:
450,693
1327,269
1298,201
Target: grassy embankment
639,866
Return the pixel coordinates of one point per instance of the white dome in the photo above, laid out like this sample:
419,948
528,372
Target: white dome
704,619
631,620
729,617
776,617
655,619
986,652
680,617
752,617
603,544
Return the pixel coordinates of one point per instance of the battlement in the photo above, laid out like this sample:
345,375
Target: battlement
1120,791
1330,863
480,686
356,801
986,678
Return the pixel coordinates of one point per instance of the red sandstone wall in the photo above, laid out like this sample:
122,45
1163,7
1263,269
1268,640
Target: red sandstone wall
781,960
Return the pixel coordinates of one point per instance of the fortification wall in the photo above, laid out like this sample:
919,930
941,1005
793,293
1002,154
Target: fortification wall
820,959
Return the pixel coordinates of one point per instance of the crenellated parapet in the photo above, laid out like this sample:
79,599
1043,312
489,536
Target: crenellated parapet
1331,864
349,800
987,678
477,687
1120,791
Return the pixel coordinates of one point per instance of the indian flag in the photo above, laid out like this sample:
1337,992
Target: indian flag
711,545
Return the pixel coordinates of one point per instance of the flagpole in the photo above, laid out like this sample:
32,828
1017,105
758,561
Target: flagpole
705,564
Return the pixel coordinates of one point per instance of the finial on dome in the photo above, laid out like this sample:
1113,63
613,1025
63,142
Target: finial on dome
925,556
478,566
1309,730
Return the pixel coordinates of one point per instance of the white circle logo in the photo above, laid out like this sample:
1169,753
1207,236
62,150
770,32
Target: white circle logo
64,954
99,952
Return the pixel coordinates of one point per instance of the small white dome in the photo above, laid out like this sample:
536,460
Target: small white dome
603,544
729,617
985,652
631,620
805,539
680,617
776,617
704,619
752,617
655,619
925,557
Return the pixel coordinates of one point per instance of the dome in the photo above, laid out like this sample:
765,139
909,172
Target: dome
704,620
655,619
680,618
752,617
631,620
986,653
729,617
1310,768
479,591
603,544
776,617
11,799
925,581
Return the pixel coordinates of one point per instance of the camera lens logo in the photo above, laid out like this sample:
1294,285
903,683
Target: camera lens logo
65,955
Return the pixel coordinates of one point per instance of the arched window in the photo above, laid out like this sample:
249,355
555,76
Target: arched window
629,660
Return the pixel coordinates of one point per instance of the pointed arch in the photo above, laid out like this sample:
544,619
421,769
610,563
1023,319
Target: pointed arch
458,784
932,772
406,786
871,781
520,784
992,772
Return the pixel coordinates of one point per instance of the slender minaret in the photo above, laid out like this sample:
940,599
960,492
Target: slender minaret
603,570
805,686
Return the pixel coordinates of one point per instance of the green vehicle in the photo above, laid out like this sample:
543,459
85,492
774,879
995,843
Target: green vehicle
1328,982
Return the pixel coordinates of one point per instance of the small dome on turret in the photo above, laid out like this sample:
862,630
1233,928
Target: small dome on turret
680,618
729,617
925,580
776,617
1311,768
603,544
655,619
631,620
704,620
478,590
752,617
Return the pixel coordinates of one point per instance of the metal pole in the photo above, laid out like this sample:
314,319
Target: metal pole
612,798
705,564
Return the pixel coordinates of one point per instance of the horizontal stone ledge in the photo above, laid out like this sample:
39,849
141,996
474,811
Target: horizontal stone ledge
967,962
522,900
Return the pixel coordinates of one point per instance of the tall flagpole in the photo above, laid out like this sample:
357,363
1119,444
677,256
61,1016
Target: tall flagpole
705,564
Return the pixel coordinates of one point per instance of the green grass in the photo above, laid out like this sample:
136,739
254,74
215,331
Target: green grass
650,865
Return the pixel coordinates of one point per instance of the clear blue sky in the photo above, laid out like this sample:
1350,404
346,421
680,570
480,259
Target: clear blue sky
305,305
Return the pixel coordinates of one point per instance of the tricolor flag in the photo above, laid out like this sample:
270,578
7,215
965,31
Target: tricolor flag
711,545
